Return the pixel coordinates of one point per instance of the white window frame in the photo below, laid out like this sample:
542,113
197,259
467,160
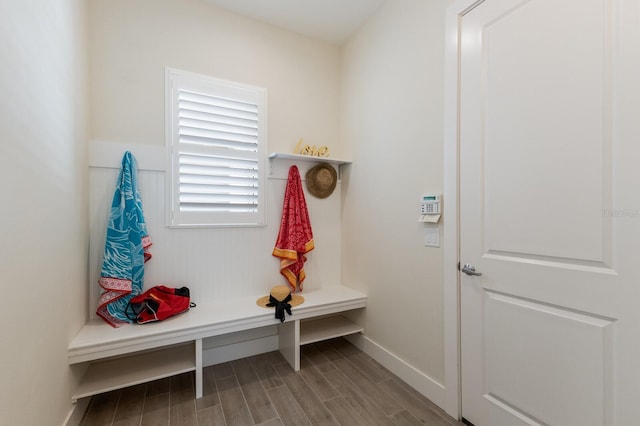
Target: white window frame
176,82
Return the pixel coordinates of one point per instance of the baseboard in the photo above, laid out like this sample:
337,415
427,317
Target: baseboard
422,383
77,412
239,350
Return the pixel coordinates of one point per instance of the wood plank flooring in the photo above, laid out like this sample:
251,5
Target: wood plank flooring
337,385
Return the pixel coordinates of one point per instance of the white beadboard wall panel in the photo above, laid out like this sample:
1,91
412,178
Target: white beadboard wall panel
215,263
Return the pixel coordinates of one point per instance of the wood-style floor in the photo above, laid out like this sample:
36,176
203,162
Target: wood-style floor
337,385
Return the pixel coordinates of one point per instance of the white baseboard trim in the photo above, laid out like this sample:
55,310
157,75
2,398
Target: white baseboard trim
422,383
77,412
239,350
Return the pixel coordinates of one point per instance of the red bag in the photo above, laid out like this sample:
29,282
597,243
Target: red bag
158,303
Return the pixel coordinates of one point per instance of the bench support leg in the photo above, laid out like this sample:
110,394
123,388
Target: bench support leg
289,342
198,354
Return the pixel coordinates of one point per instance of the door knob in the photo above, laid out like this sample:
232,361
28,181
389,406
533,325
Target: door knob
470,270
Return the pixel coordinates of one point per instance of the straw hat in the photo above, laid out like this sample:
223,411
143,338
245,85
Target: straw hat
281,298
321,180
280,292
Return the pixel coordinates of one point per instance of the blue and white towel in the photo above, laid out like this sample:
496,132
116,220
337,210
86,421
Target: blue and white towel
126,247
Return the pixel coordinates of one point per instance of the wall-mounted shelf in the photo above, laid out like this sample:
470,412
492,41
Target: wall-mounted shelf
329,160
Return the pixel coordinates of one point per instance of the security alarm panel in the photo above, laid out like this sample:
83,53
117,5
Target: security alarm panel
430,204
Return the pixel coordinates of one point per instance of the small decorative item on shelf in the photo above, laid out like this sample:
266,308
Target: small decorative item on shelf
312,151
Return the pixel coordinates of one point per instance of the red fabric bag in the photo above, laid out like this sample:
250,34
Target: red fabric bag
158,303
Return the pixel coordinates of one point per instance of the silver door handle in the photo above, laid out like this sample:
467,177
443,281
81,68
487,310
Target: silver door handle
470,270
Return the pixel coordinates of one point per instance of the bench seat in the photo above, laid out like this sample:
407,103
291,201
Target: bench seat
134,354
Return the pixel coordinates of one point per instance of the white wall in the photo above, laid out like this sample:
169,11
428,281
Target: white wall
392,123
43,231
131,43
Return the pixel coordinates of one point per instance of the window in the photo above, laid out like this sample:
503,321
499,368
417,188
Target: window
216,137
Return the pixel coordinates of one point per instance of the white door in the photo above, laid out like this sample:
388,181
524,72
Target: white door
549,199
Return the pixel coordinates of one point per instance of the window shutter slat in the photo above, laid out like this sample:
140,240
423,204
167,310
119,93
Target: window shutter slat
218,199
195,159
214,125
226,113
250,123
222,135
219,143
194,188
212,101
198,208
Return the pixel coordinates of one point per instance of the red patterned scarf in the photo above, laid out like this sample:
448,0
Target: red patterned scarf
295,237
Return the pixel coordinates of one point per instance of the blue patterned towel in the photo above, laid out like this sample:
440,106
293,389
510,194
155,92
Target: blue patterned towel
126,247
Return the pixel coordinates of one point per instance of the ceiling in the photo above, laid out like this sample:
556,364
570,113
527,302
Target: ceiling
332,21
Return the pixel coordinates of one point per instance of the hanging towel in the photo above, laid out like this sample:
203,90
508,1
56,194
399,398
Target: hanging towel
295,237
126,247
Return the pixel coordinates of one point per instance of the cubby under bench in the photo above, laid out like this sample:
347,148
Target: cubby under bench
133,354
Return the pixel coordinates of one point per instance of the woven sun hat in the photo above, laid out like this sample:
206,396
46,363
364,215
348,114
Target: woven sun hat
321,180
280,293
281,300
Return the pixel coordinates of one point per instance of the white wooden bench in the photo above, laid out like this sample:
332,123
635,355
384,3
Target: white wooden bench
120,357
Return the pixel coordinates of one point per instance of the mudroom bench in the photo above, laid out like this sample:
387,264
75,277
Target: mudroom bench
133,354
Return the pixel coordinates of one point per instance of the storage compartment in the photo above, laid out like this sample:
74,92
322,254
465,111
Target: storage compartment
120,372
318,329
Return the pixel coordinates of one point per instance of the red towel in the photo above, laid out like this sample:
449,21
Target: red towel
295,237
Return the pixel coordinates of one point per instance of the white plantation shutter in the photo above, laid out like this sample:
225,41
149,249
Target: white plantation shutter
216,133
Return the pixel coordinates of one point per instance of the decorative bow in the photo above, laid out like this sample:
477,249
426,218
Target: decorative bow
281,306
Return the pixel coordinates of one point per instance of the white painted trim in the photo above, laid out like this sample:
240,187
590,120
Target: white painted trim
451,213
430,388
168,146
239,350
240,336
77,412
109,155
199,378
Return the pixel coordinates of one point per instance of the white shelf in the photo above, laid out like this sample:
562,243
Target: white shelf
118,373
317,330
329,160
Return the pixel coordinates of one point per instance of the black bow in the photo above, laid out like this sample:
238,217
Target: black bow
281,306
